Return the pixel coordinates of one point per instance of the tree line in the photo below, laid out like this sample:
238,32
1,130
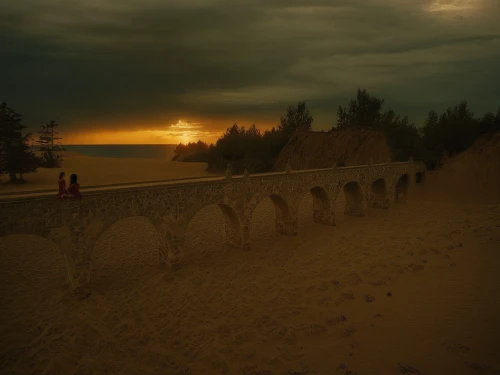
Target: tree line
444,134
17,156
249,147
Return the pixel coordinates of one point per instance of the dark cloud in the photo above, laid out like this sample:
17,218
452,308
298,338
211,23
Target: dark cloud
134,63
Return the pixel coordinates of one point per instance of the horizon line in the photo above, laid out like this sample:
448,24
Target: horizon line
119,144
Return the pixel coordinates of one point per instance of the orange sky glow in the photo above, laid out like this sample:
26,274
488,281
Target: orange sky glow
180,132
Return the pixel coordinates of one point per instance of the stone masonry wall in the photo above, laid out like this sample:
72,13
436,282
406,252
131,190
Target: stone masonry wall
76,225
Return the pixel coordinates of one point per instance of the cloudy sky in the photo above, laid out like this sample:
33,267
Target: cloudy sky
164,71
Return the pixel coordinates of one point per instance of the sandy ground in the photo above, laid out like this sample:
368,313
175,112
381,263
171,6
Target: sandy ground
409,290
98,171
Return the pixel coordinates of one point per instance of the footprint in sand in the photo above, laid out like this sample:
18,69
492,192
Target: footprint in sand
254,370
483,369
353,279
284,333
323,287
336,319
407,369
348,332
313,329
344,367
415,267
337,284
345,297
457,348
325,301
369,298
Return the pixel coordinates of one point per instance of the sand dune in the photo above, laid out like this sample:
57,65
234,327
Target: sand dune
351,146
472,176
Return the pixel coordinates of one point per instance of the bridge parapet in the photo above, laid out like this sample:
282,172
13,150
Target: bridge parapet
75,225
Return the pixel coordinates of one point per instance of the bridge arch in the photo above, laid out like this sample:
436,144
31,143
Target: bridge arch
320,197
354,202
285,217
232,226
119,253
401,188
218,215
419,177
99,228
281,206
322,212
285,222
379,196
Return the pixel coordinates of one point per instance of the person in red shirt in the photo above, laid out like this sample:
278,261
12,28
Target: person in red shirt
74,187
63,192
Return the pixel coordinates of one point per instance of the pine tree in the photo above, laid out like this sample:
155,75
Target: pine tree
51,150
15,154
296,118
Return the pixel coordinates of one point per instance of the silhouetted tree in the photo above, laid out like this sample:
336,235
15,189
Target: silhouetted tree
231,144
49,147
451,132
490,122
295,118
365,110
403,138
255,150
15,154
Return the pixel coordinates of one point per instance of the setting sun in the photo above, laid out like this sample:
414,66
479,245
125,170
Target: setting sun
186,138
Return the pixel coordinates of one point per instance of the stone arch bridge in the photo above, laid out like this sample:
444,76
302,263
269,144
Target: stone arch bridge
76,225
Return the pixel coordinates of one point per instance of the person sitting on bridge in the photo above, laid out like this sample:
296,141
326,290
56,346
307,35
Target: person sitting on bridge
74,187
63,192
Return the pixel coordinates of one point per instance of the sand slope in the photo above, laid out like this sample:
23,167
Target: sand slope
353,146
473,175
317,303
